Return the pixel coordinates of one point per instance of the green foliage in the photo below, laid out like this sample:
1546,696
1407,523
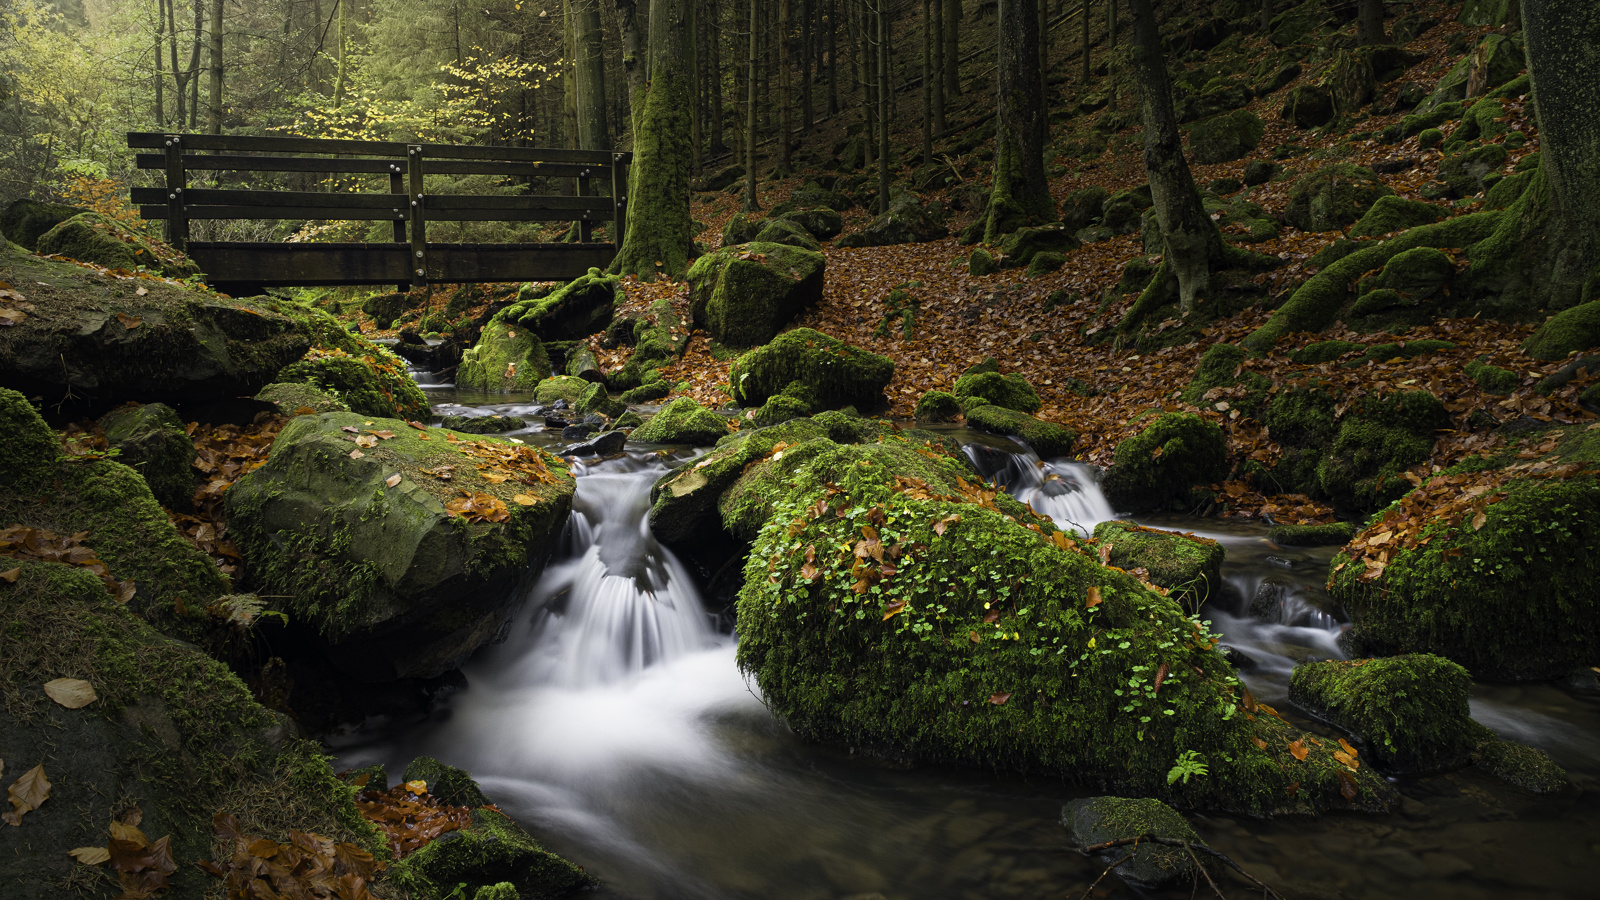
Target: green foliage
1187,765
683,421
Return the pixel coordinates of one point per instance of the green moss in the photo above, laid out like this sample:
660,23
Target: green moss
1523,766
24,221
839,374
1023,245
683,421
1008,391
1379,440
1430,138
1161,463
1509,600
1226,137
374,384
1464,172
1320,352
994,660
1407,350
492,850
1331,535
684,500
574,391
1418,123
1565,333
644,393
1098,820
505,890
1221,367
1188,566
1390,214
289,398
783,231
1493,379
572,312
745,296
822,223
150,439
490,424
29,452
1410,710
507,357
980,263
1047,439
93,238
1332,197
1045,262
448,784
937,406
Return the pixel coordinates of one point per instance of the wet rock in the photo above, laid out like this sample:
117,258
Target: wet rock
1191,453
490,424
1098,820
744,296
1007,391
644,393
373,384
907,221
581,363
508,357
606,444
1047,439
576,310
388,580
1189,567
150,439
93,238
837,373
1411,711
578,432
1226,137
292,399
1330,535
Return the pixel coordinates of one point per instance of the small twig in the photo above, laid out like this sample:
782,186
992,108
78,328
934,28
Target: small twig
1170,842
1201,866
1090,889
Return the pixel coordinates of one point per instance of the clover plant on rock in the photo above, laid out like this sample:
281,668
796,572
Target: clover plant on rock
743,296
880,613
400,549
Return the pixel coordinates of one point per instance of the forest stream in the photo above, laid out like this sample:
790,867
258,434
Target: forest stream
615,725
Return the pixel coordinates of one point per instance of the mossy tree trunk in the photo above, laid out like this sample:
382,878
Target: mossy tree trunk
1020,195
1191,238
659,234
1563,40
593,133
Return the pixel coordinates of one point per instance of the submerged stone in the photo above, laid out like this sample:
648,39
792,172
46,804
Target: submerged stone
1099,820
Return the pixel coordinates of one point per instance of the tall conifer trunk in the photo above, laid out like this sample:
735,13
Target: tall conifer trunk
1021,195
658,240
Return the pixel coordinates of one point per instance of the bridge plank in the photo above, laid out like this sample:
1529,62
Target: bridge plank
149,140
271,264
358,166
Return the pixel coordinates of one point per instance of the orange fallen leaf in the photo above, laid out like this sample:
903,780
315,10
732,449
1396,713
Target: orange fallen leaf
128,322
1094,597
523,500
1298,750
356,454
90,856
392,480
999,699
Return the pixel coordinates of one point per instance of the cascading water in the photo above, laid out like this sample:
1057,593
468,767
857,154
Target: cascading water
616,725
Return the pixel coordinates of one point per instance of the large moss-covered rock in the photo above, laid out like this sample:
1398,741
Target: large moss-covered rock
1510,597
577,309
98,339
1376,441
1223,366
507,357
964,630
1022,246
173,735
684,501
1308,106
374,384
390,580
837,373
1009,391
784,231
95,238
298,398
823,224
29,452
1567,332
907,221
151,440
683,421
1391,213
744,296
1332,197
24,221
937,406
1298,23
1189,567
1047,439
1099,820
1164,461
1410,710
1464,172
1083,207
1227,137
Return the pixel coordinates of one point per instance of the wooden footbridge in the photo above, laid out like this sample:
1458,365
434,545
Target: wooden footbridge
409,260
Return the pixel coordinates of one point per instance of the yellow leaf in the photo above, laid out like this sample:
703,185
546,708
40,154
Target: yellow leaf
73,693
122,831
417,787
356,454
27,794
392,480
523,500
90,856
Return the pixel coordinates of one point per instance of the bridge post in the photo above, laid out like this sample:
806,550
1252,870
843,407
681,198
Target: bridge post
619,199
397,186
418,262
585,224
177,219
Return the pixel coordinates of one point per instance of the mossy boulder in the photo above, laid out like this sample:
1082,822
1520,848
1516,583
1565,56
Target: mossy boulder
821,223
1521,765
292,398
1227,137
1331,535
744,296
1510,598
1332,197
937,406
683,421
783,231
173,734
94,238
837,373
684,501
1378,440
1411,711
1163,462
1464,172
739,230
575,391
1008,391
1223,367
150,439
373,384
1047,439
1391,213
1099,820
96,338
30,450
1083,207
645,393
1189,567
577,309
1486,12
981,262
489,424
1430,118
1308,106
1319,352
907,221
387,578
975,640
491,857
1416,275
1567,332
508,357
1493,379
1021,246
24,221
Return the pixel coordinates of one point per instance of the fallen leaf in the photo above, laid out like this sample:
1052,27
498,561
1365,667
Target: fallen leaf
1298,750
1094,597
141,292
366,440
973,636
10,575
128,322
417,787
392,480
1342,757
1347,748
523,500
892,609
999,699
90,856
356,454
1347,785
73,693
27,793
126,831
9,317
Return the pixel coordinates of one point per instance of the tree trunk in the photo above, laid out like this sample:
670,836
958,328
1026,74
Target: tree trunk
1266,16
215,124
865,81
833,57
952,48
340,79
1084,15
927,81
719,144
1111,24
659,237
1192,239
633,59
785,68
194,65
807,48
161,74
593,131
883,105
751,203
938,66
1370,22
1020,196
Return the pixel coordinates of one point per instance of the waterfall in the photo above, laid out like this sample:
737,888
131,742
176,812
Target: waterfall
1067,492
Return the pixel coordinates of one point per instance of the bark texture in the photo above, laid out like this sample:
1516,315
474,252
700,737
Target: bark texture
1021,195
593,133
1370,22
659,229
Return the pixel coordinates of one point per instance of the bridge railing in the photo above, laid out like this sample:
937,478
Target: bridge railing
410,259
